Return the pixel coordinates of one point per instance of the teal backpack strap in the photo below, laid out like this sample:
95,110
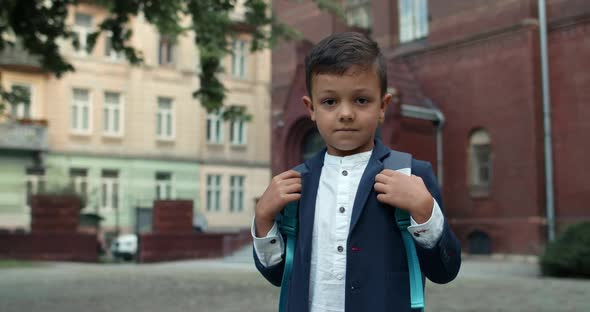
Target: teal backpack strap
289,228
403,162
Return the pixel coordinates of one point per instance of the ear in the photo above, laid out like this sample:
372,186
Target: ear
384,103
309,106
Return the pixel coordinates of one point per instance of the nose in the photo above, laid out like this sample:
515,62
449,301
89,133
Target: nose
346,113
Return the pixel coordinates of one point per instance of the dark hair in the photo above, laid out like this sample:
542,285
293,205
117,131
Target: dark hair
336,53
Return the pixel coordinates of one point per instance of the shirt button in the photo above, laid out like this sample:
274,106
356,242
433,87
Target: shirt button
344,173
340,249
272,241
417,234
342,210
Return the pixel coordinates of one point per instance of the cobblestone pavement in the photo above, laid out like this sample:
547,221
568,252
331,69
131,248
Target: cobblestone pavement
203,286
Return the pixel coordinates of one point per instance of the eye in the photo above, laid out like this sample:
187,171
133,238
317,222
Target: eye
362,101
328,102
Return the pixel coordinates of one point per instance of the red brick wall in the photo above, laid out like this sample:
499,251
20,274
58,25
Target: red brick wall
172,217
54,233
169,247
490,84
480,64
570,84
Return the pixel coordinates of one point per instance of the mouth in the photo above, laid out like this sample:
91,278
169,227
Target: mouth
346,130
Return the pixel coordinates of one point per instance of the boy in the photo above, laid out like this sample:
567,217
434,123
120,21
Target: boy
349,254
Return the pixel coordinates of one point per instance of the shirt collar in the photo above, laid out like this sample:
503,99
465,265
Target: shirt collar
356,159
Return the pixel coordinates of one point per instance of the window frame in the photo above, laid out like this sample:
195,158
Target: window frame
236,193
166,51
239,59
27,111
112,195
352,9
241,137
80,114
164,118
108,114
213,193
37,182
109,52
164,184
214,131
413,20
83,31
479,140
79,183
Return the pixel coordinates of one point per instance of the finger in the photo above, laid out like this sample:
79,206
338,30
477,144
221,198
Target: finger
380,187
381,197
291,181
291,197
290,174
293,188
382,178
389,172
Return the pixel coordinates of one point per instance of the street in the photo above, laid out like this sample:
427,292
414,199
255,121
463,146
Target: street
224,286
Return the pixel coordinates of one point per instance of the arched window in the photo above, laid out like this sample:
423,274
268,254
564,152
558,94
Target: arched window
479,243
312,143
480,162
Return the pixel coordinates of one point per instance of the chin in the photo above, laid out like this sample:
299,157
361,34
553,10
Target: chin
347,149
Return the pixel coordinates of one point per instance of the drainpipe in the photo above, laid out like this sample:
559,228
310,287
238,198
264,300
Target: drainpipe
549,196
437,117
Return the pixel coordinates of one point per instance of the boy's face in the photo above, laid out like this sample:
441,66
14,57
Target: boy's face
347,109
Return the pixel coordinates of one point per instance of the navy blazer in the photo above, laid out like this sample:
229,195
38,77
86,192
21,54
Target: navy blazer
376,269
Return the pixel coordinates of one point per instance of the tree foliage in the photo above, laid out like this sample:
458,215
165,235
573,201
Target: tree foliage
38,25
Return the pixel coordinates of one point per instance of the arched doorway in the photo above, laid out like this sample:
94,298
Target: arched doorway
312,143
479,243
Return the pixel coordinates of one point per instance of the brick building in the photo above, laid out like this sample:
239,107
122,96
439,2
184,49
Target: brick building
477,65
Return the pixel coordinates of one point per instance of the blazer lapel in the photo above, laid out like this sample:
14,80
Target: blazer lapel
367,182
310,182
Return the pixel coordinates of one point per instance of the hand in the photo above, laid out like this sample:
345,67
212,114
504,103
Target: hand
283,189
404,192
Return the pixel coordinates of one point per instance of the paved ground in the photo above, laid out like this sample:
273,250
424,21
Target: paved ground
228,286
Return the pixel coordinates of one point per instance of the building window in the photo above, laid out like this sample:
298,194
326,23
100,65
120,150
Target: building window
81,111
35,183
413,19
238,67
215,128
21,109
82,28
110,189
79,182
109,51
238,132
166,50
480,162
236,194
164,185
213,192
165,119
112,113
358,13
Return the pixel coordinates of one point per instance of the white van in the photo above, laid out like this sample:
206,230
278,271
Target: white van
124,247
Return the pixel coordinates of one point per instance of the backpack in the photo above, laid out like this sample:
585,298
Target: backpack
397,161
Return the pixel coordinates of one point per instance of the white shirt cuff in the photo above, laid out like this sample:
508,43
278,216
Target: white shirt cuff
269,249
428,233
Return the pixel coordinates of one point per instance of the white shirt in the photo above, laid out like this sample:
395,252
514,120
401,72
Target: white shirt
334,203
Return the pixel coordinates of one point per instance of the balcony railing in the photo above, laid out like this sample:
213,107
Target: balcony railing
16,57
23,135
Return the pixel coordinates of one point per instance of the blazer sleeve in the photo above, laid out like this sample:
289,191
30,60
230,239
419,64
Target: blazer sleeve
274,273
440,263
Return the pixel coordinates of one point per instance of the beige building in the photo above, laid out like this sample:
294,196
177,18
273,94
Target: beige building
125,135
